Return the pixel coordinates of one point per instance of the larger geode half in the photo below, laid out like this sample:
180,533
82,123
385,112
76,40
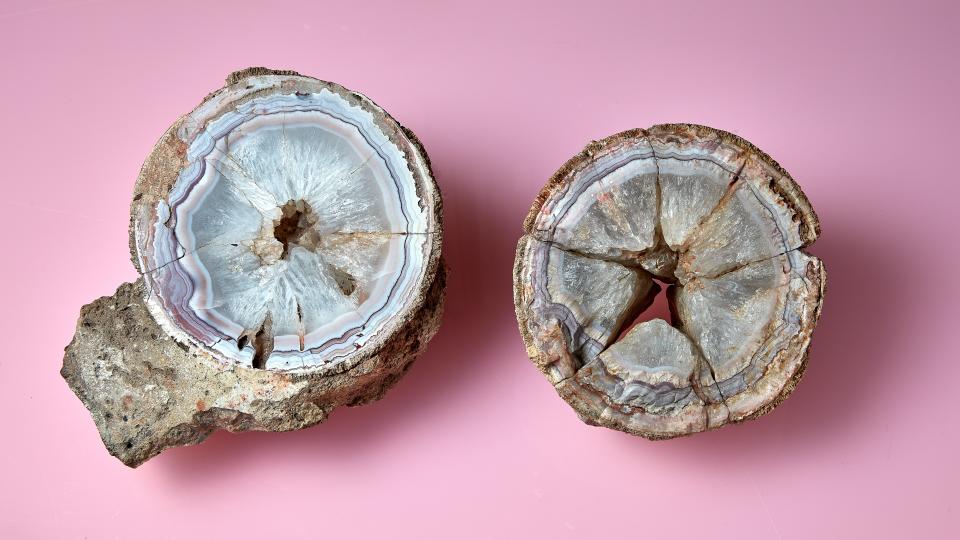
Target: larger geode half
715,220
287,233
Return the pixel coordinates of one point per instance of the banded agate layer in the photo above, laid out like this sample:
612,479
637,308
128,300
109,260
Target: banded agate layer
219,274
702,213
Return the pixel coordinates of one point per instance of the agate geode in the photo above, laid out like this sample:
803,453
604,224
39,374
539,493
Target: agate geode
287,233
718,223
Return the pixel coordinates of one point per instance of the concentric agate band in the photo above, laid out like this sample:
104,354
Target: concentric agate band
716,221
298,122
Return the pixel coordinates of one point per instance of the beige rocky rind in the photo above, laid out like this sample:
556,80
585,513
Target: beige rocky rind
576,378
147,393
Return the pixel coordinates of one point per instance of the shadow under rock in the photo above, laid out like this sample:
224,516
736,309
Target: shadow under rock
479,243
850,357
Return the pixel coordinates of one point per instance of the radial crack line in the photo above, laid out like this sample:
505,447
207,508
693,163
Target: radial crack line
713,373
741,266
188,252
727,195
593,256
238,189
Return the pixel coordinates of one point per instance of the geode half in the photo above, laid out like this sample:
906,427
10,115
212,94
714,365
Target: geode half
287,233
718,223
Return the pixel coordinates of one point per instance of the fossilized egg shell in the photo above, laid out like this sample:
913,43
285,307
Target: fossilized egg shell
287,232
716,219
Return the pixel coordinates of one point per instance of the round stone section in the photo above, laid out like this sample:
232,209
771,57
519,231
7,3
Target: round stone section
704,215
299,227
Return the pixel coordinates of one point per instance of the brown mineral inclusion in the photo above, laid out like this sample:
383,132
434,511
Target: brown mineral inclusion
710,217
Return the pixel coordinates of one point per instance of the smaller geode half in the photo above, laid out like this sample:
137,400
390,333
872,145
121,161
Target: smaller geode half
719,224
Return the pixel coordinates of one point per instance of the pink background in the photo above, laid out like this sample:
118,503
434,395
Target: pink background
857,101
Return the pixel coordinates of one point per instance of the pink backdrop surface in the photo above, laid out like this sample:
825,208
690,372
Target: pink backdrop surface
858,101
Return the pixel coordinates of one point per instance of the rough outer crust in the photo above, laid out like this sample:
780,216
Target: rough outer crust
148,392
560,367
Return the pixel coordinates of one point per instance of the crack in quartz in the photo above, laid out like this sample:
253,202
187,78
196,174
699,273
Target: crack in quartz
360,166
701,357
659,242
245,243
727,195
621,216
594,256
741,266
238,167
189,252
301,328
263,343
240,190
243,171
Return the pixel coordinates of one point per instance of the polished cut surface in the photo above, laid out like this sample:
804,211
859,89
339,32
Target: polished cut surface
227,278
287,232
715,220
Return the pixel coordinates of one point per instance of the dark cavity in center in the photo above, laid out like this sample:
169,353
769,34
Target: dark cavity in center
296,227
655,306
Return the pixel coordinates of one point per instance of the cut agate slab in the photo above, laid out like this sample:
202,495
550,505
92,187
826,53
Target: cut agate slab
719,223
287,234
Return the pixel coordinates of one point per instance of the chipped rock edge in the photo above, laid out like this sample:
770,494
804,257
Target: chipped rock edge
146,392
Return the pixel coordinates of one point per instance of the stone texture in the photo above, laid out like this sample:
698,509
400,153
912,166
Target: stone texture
148,392
164,362
723,225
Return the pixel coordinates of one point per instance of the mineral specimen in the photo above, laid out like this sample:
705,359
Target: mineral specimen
287,234
719,223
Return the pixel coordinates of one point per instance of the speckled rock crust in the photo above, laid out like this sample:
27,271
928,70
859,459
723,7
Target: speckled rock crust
714,220
148,388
